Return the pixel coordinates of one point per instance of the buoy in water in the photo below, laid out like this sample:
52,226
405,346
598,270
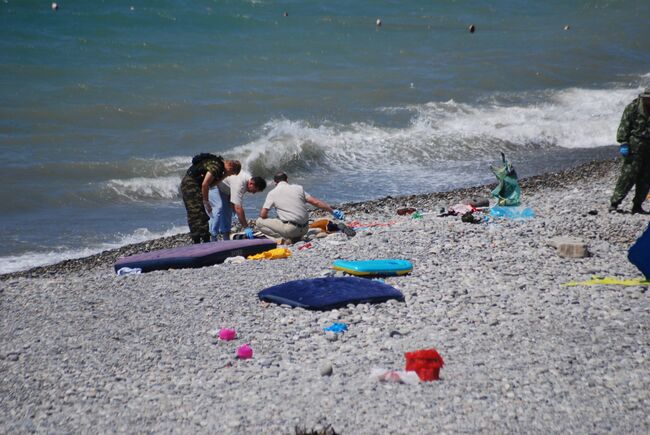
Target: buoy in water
472,28
55,6
378,22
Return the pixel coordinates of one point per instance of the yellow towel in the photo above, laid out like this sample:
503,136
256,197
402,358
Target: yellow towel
608,280
272,254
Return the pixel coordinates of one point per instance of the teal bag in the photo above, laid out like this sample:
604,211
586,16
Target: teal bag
508,191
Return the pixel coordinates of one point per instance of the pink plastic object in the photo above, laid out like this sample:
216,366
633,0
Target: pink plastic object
227,334
244,352
305,246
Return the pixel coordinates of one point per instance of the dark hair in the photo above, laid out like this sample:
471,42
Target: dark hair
259,183
280,176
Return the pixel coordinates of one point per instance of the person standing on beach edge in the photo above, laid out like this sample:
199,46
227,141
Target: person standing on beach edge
206,170
634,136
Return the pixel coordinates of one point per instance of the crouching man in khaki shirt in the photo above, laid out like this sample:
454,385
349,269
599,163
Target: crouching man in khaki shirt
290,202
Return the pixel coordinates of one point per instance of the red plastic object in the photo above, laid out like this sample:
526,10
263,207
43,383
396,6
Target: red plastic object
227,334
425,362
245,352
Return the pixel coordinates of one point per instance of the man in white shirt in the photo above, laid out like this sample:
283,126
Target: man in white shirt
227,196
290,202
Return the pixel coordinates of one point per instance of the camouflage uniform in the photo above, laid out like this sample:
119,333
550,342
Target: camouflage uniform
197,218
635,170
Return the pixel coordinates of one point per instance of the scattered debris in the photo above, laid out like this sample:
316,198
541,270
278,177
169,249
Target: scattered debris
396,376
570,247
227,334
337,328
245,352
425,362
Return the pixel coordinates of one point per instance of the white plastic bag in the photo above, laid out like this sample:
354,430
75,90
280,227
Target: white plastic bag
397,376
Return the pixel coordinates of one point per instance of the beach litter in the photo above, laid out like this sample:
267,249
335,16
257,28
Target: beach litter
363,225
272,254
234,260
336,327
304,246
512,212
395,376
406,210
129,271
244,352
507,191
609,280
425,362
569,247
227,334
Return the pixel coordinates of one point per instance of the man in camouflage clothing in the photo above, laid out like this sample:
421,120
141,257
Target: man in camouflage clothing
635,170
206,170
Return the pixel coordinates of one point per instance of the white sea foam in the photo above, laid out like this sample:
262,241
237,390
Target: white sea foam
142,189
438,131
28,260
570,118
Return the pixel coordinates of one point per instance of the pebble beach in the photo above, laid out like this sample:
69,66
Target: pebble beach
84,350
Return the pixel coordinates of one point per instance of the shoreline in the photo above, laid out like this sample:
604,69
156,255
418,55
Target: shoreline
85,349
106,258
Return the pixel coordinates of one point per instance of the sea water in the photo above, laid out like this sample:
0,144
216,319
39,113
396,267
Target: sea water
103,103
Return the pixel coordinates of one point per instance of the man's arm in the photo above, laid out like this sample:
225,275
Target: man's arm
239,211
319,203
208,180
264,213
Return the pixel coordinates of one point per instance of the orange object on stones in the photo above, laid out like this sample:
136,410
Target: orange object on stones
321,224
425,362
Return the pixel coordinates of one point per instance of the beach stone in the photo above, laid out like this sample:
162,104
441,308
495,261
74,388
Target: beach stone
570,247
326,369
331,336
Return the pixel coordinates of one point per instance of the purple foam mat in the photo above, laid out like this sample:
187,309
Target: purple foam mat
192,256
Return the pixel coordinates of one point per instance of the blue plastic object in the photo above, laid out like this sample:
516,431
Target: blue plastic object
338,214
374,267
330,292
336,327
624,149
249,233
514,213
639,253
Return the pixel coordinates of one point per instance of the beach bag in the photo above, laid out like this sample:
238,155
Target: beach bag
507,191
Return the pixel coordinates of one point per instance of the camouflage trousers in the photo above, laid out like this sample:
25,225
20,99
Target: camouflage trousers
197,218
635,171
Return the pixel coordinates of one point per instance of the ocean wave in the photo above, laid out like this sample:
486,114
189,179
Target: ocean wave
570,118
28,260
141,189
436,132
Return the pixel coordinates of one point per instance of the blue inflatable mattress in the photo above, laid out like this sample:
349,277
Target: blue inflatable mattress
329,293
639,253
199,255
